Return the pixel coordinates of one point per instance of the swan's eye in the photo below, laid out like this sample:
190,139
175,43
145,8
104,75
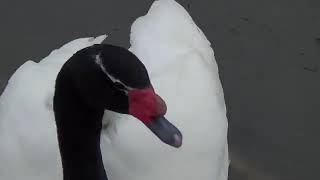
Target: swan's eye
119,86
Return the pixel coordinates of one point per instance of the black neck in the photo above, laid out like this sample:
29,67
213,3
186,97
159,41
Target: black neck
79,130
83,90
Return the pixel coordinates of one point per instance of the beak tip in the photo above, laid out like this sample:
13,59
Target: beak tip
166,132
177,140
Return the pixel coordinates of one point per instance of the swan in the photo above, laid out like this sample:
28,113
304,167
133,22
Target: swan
183,72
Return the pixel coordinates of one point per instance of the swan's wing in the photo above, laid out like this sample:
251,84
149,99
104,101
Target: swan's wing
27,128
184,72
166,32
61,55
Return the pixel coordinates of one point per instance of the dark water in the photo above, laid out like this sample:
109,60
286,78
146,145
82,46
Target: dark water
268,54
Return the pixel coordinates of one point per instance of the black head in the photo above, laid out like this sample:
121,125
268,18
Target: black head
113,78
122,67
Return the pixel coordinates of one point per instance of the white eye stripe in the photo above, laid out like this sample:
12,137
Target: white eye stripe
98,60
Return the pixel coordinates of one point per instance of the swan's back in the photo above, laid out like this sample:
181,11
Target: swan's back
183,71
28,140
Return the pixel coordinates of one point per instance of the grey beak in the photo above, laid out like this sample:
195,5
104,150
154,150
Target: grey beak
166,132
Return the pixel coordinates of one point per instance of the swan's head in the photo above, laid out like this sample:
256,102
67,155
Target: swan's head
121,84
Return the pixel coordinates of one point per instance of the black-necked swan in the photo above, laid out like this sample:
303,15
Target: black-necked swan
182,70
